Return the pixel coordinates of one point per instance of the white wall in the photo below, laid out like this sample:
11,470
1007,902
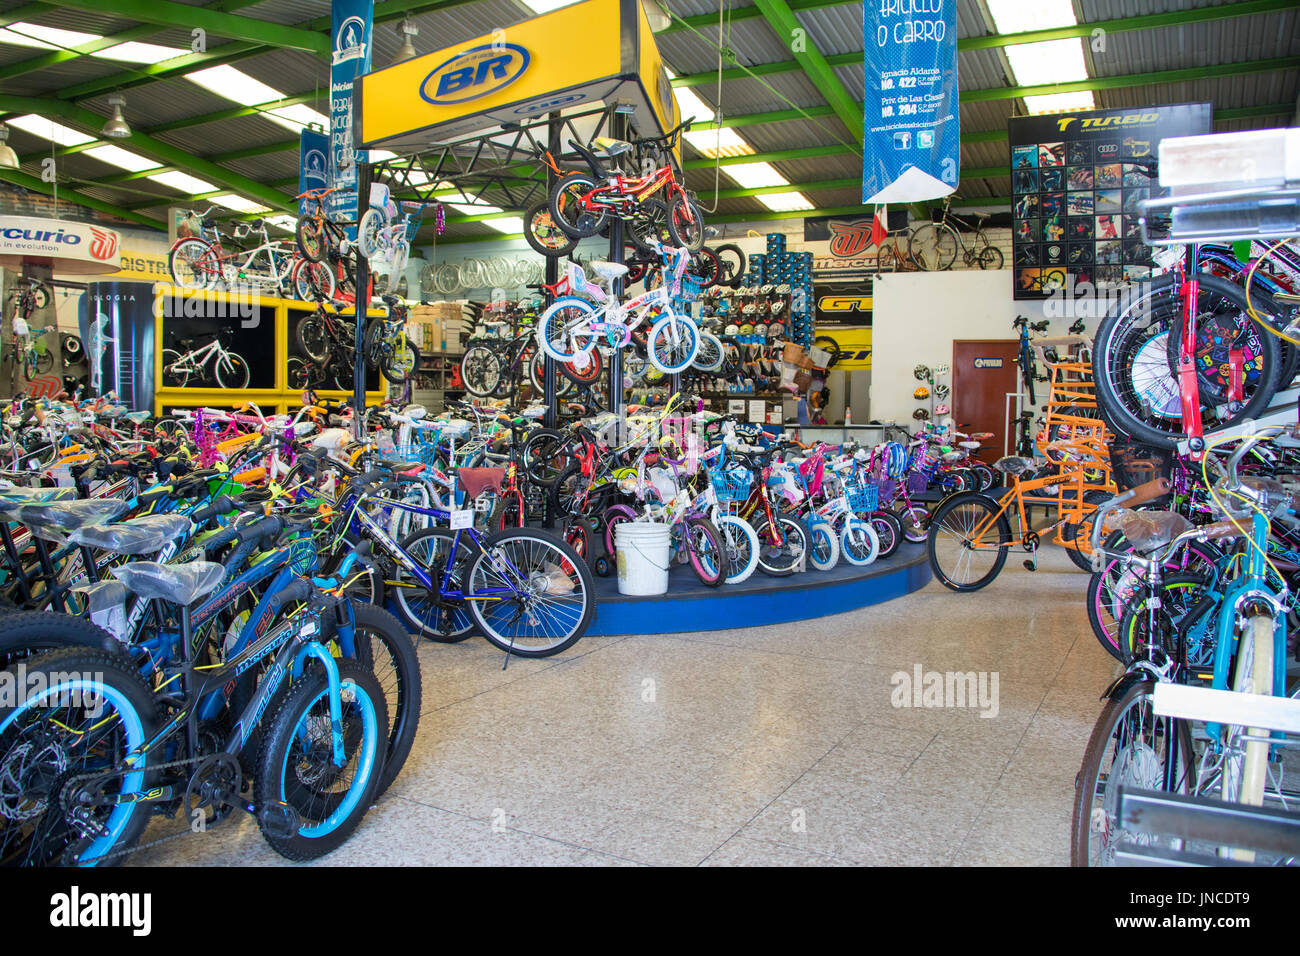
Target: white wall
917,315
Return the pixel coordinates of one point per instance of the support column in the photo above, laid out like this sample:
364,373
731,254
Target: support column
362,306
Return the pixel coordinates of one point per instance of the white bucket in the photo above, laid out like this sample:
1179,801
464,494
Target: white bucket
642,548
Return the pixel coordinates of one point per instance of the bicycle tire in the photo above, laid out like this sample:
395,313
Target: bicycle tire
191,252
649,223
398,677
741,542
990,257
533,553
685,223
933,246
438,621
231,371
563,201
481,371
673,358
707,550
309,234
824,546
731,264
395,371
859,543
545,237
889,532
313,339
1120,347
313,281
793,549
1146,767
280,769
949,523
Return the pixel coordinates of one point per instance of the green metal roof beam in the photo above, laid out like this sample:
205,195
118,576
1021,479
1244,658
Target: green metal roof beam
36,184
155,149
787,27
181,16
215,158
235,112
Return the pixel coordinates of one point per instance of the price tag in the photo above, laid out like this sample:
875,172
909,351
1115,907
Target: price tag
461,520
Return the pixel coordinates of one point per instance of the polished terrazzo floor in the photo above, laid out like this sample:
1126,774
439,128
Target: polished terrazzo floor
764,746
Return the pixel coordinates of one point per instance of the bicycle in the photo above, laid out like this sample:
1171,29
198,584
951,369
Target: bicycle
384,237
1025,358
200,261
210,364
934,246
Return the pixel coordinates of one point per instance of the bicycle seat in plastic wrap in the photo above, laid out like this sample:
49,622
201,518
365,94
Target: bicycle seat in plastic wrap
52,521
1149,530
608,270
533,412
454,427
1013,465
951,456
181,584
14,498
145,535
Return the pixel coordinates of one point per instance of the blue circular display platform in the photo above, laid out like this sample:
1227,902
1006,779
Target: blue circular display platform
690,606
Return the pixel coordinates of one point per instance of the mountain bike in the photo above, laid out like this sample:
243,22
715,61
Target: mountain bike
209,364
1025,359
316,233
934,245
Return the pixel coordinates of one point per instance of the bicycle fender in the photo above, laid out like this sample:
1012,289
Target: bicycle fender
1121,684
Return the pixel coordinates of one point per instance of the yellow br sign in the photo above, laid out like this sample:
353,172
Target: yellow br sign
855,346
580,55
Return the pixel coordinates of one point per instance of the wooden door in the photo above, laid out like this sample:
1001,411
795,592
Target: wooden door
983,372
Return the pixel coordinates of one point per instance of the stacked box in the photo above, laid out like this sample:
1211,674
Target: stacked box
436,327
776,243
795,270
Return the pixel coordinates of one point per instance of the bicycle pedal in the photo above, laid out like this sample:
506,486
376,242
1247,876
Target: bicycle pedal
279,820
1031,564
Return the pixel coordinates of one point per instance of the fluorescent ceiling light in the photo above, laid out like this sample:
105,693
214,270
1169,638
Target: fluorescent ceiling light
1054,61
474,209
755,175
511,224
239,203
692,105
719,142
234,85
135,52
183,182
785,202
44,38
47,129
545,6
1019,16
381,155
287,223
1061,102
121,158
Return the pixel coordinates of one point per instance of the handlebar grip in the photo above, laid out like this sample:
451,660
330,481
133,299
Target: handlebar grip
207,512
1149,491
220,539
261,529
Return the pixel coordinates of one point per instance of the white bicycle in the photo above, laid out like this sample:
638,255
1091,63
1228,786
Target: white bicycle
204,365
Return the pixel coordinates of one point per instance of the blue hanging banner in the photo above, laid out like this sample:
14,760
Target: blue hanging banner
912,144
313,166
353,25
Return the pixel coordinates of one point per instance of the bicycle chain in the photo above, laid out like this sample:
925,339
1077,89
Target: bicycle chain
111,854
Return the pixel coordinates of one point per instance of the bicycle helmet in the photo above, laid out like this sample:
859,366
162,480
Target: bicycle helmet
761,329
941,391
732,329
746,329
921,393
921,414
921,372
941,409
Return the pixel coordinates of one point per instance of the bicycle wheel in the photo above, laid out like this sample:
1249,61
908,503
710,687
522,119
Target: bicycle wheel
80,711
954,559
783,548
1245,760
1133,748
649,224
859,544
386,648
889,531
43,363
707,551
231,371
933,246
530,594
446,279
1028,371
544,235
990,257
368,233
313,281
731,265
564,329
423,611
297,768
401,364
171,375
709,356
915,521
566,207
311,239
685,223
824,546
313,339
481,371
1137,389
194,264
542,457
673,343
741,544
612,517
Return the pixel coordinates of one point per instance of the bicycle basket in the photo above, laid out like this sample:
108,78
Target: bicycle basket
302,555
731,484
414,217
917,483
885,490
861,497
1135,463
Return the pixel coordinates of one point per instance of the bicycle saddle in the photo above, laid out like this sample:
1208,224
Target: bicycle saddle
415,411
144,535
256,223
953,456
390,300
608,270
1148,530
179,583
15,496
972,445
48,520
609,147
1014,465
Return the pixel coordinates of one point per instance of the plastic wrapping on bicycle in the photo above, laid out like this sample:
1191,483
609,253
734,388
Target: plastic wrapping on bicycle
1148,530
475,481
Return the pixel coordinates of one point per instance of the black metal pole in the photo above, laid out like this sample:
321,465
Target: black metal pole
616,404
362,306
549,396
